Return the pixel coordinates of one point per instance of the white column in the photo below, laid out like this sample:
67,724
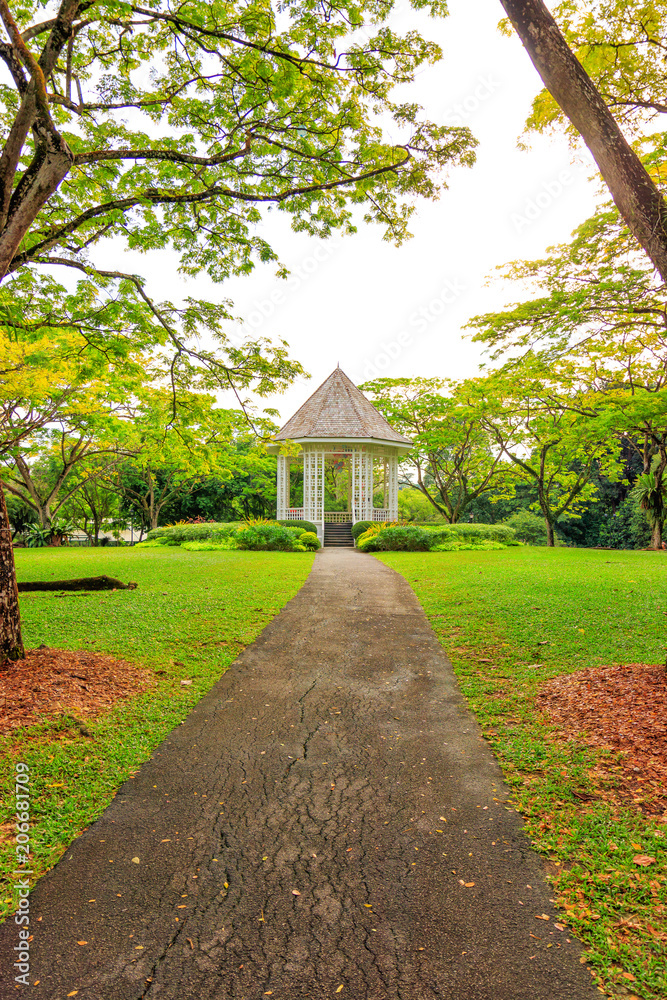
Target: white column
392,501
368,486
309,475
283,487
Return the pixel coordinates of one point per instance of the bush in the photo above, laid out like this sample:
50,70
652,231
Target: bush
445,538
224,545
267,538
528,527
395,538
310,540
303,525
475,534
360,527
176,534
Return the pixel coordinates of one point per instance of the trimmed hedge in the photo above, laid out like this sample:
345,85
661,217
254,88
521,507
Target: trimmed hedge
440,538
360,527
303,525
310,540
175,534
266,538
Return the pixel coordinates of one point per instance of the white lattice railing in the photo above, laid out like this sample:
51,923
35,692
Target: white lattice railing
293,514
383,515
337,517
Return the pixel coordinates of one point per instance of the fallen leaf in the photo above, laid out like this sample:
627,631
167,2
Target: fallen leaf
543,916
82,942
295,892
138,947
339,989
73,993
628,975
136,861
559,927
644,860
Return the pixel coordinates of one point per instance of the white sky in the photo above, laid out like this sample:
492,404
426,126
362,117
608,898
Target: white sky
379,310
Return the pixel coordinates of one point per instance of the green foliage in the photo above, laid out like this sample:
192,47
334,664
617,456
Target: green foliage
304,525
456,458
360,527
627,528
400,538
310,541
436,538
191,121
175,534
212,545
530,528
415,506
224,600
266,537
649,494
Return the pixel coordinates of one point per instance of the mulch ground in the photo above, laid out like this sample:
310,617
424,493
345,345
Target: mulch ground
623,709
54,682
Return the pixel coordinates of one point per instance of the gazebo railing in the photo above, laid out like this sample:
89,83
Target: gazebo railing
338,517
293,514
383,515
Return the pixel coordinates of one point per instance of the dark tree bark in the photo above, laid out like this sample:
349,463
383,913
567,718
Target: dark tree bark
11,644
636,196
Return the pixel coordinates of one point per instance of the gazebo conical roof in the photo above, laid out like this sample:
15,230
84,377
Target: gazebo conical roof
339,411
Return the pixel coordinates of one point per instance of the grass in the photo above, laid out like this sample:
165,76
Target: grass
189,618
532,614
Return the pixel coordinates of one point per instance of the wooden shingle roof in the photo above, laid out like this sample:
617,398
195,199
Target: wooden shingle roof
339,410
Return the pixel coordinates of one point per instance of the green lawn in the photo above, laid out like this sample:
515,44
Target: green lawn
562,610
191,615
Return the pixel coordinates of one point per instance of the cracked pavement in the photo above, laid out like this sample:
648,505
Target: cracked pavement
328,821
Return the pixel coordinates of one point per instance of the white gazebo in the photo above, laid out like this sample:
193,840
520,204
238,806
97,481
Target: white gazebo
341,435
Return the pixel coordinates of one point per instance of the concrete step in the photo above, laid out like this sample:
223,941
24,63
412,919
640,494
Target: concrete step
339,535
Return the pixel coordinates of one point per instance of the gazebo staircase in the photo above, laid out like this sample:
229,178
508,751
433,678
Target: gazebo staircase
339,535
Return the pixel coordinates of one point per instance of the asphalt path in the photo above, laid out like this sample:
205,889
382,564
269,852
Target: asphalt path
328,822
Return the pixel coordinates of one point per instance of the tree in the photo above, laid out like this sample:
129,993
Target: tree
232,106
173,454
635,194
453,459
230,109
599,327
552,446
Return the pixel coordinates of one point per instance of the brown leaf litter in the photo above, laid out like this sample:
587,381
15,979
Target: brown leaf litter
622,708
54,682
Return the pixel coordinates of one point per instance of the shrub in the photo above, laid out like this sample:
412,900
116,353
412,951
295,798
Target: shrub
303,525
459,545
310,540
175,534
472,534
224,545
266,537
360,527
395,538
528,527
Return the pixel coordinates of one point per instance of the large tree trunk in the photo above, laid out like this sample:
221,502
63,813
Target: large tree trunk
11,644
551,535
656,535
636,196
